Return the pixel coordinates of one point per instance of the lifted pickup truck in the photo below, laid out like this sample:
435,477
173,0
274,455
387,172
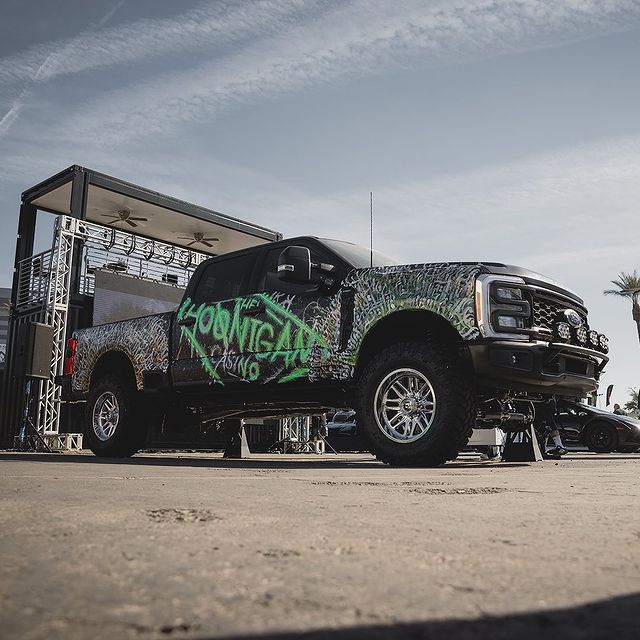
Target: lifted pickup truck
420,351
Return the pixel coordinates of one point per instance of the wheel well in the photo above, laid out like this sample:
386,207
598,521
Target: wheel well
406,326
594,424
114,362
598,422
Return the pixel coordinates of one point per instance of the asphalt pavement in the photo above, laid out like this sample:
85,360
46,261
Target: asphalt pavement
194,546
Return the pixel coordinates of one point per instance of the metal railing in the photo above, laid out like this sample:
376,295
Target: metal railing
33,279
123,252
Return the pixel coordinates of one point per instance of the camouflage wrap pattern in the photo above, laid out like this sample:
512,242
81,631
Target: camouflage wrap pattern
144,340
278,338
445,289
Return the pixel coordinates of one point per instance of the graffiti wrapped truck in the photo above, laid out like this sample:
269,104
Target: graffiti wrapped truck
422,352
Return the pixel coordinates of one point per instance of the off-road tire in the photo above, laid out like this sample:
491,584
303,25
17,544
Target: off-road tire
455,408
131,428
596,443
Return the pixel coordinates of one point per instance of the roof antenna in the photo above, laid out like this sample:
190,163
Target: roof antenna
371,224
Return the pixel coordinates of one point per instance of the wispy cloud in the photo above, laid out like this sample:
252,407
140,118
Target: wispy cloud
357,37
18,103
561,210
209,25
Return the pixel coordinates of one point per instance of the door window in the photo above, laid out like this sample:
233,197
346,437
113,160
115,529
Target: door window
224,279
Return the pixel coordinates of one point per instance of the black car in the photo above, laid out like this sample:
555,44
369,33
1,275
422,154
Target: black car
343,423
601,431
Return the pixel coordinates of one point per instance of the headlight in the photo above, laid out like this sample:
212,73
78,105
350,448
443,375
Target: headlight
503,307
509,310
507,294
509,322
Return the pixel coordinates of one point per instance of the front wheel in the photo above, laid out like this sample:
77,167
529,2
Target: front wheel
114,424
415,404
602,438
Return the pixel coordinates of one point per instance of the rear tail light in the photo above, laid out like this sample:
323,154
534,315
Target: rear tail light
70,356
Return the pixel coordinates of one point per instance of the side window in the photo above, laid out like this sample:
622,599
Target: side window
224,279
269,281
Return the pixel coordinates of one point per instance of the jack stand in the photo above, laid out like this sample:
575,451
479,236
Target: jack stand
521,446
328,444
237,446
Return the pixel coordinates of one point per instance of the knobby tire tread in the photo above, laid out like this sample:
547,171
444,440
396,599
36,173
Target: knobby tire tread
130,435
459,396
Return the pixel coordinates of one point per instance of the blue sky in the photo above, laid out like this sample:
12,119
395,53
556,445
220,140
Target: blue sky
486,129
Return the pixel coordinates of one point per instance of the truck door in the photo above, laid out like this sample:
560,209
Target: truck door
212,330
299,322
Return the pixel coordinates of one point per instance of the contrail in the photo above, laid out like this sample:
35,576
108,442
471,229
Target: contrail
11,116
16,108
107,16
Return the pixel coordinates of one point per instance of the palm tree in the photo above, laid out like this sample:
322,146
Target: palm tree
628,286
632,404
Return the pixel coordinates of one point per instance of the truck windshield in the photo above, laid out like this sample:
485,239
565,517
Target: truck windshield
357,255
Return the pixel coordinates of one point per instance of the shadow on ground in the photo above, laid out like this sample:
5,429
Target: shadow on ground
174,460
602,620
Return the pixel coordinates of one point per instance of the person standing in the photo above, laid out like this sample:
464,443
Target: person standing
319,433
618,411
546,425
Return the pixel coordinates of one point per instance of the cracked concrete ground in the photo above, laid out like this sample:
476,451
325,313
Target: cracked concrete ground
194,546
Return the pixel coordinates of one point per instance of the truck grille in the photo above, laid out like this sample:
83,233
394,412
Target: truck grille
546,311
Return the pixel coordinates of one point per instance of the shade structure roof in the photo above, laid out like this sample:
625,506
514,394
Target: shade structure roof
96,197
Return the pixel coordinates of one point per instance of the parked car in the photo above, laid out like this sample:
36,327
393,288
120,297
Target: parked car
343,423
601,431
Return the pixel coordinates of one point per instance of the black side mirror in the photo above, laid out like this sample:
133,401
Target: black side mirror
294,265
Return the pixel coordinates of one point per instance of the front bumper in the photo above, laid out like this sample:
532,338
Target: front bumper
628,436
537,367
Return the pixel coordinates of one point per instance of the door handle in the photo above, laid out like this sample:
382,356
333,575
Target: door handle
187,322
255,311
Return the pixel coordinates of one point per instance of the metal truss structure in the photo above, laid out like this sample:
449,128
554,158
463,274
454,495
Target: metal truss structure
295,433
44,287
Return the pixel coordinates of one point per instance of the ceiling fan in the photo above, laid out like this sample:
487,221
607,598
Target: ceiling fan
198,238
124,215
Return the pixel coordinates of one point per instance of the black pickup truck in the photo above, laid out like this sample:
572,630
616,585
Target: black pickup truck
421,351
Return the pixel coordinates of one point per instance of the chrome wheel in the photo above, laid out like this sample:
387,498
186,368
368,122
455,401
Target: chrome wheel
106,414
405,405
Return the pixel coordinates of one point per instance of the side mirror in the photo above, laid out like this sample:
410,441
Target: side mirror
294,265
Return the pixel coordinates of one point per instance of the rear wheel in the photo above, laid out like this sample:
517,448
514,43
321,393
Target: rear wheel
415,404
115,425
602,438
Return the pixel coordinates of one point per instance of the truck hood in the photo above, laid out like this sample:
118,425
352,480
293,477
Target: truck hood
530,277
